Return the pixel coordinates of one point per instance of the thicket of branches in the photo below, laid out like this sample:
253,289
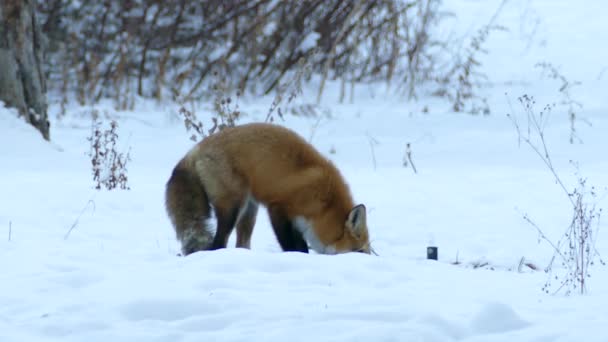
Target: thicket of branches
172,48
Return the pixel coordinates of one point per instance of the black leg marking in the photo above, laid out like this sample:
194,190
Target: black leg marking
225,224
289,238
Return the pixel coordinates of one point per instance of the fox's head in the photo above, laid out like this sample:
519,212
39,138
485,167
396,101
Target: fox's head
355,237
333,233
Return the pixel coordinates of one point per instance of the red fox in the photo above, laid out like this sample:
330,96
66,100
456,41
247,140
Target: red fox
234,170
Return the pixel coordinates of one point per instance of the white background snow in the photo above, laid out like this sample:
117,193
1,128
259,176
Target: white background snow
116,277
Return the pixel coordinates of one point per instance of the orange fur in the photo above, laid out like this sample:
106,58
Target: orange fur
271,165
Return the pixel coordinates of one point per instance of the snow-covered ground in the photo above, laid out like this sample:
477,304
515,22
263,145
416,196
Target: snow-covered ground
116,276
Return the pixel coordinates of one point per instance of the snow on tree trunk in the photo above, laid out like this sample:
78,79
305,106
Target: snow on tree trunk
22,82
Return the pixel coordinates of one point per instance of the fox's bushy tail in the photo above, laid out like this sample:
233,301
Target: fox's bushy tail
188,207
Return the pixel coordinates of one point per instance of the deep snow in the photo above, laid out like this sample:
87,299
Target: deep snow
117,277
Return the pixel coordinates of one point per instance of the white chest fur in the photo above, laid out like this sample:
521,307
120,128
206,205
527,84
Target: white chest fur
308,233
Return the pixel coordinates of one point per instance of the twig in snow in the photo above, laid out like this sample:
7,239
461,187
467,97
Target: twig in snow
407,158
456,261
372,141
314,127
78,218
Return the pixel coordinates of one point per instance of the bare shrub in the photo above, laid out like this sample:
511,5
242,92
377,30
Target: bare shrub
565,87
158,49
422,51
290,89
114,49
226,109
109,167
575,250
464,97
460,83
192,123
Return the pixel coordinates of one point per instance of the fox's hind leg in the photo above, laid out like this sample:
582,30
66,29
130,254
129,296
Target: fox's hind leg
245,223
226,218
227,195
289,238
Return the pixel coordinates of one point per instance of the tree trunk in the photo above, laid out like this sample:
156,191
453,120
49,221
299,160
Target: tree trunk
22,83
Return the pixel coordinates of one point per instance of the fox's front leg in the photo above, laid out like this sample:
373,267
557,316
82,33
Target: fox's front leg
289,238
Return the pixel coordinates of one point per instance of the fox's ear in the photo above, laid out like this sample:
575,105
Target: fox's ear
357,220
